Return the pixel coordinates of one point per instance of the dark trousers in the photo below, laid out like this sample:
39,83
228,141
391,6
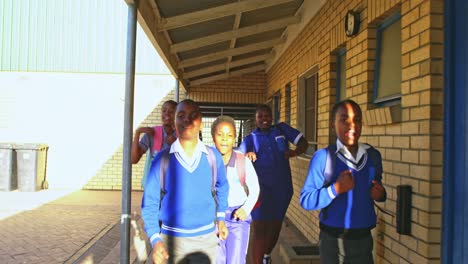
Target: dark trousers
334,250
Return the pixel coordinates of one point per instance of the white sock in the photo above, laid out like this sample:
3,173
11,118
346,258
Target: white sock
266,256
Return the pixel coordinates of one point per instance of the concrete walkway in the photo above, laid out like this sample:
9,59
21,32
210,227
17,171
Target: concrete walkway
57,226
74,227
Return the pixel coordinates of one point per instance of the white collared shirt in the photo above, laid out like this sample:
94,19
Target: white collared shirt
362,148
189,163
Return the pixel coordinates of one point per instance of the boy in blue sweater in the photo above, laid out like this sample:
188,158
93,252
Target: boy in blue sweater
347,198
182,226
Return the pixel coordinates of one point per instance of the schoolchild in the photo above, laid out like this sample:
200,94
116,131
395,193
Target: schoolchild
268,147
154,138
182,225
243,193
344,181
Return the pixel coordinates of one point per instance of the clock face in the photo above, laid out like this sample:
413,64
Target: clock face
351,23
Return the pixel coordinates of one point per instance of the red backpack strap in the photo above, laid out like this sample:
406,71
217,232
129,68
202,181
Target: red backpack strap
240,165
157,138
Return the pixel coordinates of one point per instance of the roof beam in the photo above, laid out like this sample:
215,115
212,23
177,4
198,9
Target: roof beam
231,52
216,12
237,33
223,66
228,75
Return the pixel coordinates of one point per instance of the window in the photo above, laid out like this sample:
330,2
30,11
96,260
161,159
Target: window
276,108
307,108
287,104
387,87
341,76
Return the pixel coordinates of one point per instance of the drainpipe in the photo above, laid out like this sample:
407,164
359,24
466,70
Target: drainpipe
125,217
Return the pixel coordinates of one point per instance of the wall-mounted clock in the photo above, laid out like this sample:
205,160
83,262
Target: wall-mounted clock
351,23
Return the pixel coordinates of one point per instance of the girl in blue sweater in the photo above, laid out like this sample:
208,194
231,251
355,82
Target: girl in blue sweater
347,199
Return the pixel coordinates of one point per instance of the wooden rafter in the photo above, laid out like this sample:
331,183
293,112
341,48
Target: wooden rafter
220,67
232,52
228,75
239,33
216,12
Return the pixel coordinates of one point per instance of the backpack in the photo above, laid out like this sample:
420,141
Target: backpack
157,145
158,138
240,165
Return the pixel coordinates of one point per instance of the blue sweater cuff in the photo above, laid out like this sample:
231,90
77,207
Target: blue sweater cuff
331,191
155,238
221,216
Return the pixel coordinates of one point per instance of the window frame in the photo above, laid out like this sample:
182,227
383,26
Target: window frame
276,107
287,103
301,108
339,61
393,99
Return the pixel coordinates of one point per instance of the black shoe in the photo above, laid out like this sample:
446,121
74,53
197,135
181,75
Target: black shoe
267,260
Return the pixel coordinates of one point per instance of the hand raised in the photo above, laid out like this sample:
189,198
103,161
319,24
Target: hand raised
345,182
146,130
252,156
377,191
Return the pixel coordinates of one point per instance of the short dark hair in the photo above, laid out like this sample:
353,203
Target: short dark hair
171,102
263,107
190,102
221,119
343,103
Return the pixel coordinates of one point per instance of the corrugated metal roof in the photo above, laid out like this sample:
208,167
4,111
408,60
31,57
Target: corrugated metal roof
70,36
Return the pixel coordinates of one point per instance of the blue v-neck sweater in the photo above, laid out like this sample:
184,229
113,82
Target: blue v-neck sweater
353,209
188,208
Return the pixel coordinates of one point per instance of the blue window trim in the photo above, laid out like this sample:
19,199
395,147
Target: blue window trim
339,61
287,100
455,168
380,29
276,105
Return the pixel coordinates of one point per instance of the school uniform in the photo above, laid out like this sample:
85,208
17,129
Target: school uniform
346,219
233,250
273,169
188,210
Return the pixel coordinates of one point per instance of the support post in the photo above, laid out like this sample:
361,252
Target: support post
128,133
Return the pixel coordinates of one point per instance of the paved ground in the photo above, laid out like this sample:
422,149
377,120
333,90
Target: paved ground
44,227
70,227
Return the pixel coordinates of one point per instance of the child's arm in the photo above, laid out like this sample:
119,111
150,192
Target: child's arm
251,180
246,147
314,195
222,187
151,202
377,191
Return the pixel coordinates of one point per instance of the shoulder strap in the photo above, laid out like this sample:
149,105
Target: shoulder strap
329,164
163,169
157,138
214,170
240,166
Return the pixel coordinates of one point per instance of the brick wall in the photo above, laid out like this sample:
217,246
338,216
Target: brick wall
109,176
408,135
245,89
